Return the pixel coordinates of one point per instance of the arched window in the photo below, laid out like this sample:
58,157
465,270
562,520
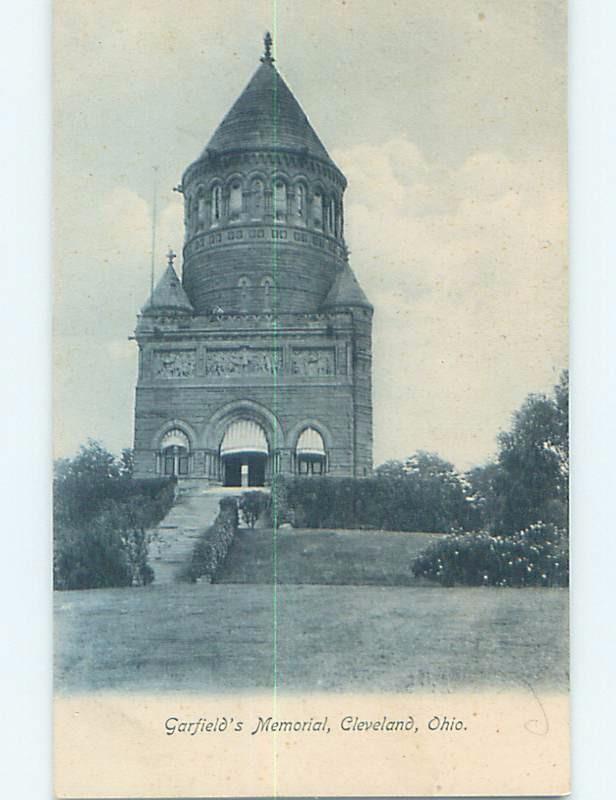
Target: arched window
244,287
280,200
216,205
331,214
257,199
235,200
338,225
200,209
174,453
267,284
317,209
310,455
300,204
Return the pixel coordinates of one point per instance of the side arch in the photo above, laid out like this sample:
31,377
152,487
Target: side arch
314,457
181,425
297,430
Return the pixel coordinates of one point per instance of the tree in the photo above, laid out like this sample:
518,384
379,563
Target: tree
83,483
484,495
426,493
533,461
390,469
441,491
127,463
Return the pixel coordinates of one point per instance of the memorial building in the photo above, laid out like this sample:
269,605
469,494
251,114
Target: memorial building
259,360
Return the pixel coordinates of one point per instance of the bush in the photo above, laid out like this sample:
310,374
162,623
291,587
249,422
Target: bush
382,502
279,511
111,550
536,556
211,548
101,517
252,505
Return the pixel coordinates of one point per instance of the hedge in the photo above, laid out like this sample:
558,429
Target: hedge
382,503
536,556
211,548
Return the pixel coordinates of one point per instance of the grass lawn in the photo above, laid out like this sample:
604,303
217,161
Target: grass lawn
372,558
219,637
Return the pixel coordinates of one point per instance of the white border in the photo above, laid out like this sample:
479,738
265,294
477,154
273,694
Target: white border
25,318
592,119
25,144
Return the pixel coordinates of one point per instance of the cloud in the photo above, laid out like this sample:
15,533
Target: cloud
466,268
102,280
450,125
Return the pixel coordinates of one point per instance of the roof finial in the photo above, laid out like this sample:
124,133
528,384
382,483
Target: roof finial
267,57
170,257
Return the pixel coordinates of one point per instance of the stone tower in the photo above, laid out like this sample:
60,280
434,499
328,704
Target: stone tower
259,360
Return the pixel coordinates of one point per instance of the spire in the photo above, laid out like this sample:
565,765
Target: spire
346,291
266,115
169,295
267,57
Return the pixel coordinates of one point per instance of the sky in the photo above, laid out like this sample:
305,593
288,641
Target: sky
449,122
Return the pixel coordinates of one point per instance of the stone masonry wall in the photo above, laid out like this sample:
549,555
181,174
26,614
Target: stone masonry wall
285,377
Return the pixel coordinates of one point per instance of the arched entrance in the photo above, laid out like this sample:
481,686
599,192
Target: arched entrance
243,453
310,453
175,453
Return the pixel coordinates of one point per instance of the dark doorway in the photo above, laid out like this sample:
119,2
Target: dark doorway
245,469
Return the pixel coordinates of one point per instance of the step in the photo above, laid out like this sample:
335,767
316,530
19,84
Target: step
173,540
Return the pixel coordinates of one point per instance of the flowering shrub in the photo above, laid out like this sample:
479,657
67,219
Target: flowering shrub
536,556
211,548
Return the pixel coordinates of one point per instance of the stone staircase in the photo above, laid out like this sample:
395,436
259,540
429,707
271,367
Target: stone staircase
172,541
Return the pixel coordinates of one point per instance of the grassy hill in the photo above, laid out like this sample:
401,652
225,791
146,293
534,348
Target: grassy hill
333,557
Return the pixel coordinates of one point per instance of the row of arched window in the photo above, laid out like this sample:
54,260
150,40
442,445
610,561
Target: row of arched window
309,457
281,200
245,285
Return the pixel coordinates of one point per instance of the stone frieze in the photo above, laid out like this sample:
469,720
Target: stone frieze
174,363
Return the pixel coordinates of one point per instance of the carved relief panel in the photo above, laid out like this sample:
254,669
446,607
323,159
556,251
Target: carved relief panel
243,361
174,363
313,362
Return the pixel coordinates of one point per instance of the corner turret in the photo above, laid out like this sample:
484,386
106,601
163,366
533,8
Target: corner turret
168,295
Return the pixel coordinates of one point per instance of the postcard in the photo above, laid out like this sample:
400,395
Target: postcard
311,528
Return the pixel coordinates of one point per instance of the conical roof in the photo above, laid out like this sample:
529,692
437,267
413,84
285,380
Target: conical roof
346,291
168,295
267,114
